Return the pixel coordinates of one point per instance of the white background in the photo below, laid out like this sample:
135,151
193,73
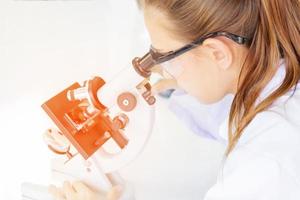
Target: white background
46,46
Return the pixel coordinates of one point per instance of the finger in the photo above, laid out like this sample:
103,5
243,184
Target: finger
69,191
67,187
115,193
81,187
61,139
56,193
48,138
56,141
163,85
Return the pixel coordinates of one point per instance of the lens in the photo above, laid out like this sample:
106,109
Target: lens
173,68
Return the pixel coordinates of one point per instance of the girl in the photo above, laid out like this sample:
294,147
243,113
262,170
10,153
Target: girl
248,48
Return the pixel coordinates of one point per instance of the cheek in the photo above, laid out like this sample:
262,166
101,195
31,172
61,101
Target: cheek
201,79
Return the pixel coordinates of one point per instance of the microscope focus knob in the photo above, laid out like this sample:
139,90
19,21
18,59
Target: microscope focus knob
127,101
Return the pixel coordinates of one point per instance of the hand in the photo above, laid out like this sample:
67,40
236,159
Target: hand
56,141
79,191
166,83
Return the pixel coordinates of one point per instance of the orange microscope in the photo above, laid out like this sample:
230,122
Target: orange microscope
102,126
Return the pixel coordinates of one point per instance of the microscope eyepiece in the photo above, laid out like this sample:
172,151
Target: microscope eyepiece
143,65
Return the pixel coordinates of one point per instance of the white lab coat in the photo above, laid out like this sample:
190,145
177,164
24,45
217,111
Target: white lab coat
265,165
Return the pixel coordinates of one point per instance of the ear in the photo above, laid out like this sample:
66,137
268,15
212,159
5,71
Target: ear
219,51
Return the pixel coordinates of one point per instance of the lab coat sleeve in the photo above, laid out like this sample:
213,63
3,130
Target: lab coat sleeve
204,120
247,176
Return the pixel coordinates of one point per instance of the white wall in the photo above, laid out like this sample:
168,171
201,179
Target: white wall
47,45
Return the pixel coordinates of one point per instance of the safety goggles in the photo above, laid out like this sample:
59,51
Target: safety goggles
143,65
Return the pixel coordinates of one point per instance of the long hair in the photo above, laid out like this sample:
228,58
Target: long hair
273,27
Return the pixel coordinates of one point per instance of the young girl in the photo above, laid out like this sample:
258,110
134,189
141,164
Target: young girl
248,48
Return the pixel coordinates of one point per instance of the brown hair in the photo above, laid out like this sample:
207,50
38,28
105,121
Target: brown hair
273,27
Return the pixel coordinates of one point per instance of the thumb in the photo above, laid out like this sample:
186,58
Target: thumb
115,193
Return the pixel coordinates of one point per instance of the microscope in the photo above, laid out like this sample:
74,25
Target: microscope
101,127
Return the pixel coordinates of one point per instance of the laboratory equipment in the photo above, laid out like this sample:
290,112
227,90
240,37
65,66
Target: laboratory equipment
102,126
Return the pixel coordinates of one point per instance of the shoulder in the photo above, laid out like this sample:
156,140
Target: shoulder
280,122
246,175
274,137
249,175
265,164
276,132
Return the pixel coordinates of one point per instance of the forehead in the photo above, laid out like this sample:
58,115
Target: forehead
161,30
